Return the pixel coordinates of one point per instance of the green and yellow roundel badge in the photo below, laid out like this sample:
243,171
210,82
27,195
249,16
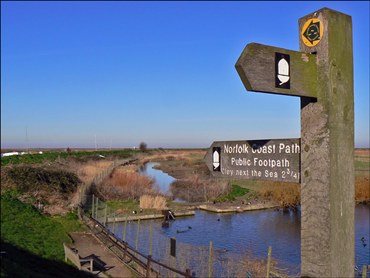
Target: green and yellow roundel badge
312,32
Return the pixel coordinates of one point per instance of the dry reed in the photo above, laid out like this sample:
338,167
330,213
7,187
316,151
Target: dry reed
195,188
362,189
88,171
125,183
153,202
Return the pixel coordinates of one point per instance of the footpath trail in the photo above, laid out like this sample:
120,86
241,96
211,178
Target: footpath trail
88,245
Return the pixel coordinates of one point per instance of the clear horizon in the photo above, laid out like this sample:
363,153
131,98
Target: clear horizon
114,74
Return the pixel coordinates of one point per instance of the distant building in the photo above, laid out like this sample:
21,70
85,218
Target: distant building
9,154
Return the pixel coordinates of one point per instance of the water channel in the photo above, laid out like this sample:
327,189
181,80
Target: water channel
239,233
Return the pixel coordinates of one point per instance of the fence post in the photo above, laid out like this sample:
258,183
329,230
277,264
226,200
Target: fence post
364,271
105,215
148,266
97,206
150,239
268,262
114,221
210,265
125,252
137,234
124,229
92,207
81,195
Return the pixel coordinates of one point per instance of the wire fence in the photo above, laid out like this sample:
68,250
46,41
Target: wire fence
203,261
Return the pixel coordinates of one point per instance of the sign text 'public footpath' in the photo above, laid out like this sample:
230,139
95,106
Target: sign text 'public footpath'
274,160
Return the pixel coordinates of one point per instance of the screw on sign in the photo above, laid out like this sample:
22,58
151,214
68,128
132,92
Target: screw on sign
321,74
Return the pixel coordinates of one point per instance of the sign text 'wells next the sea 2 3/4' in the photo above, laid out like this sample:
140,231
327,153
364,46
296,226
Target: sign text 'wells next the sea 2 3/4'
275,160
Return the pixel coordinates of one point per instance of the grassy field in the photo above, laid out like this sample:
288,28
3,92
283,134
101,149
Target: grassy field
32,242
53,155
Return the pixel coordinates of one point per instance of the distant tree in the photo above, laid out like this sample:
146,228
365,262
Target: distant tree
143,147
69,150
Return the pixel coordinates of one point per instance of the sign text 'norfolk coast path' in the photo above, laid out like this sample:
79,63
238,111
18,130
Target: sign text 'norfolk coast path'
275,160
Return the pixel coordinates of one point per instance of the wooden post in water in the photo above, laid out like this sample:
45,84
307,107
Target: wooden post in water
364,271
268,261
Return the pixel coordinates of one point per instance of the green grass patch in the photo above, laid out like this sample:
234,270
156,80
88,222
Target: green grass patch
70,222
129,205
236,191
51,156
361,165
123,207
23,226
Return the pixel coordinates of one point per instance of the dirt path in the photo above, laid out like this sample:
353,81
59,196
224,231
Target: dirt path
87,245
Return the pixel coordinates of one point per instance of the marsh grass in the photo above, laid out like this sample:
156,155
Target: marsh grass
362,189
125,184
153,202
284,193
196,188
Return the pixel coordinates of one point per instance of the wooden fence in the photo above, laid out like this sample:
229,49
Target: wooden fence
143,265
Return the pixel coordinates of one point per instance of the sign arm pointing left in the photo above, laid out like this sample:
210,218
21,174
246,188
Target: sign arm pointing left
257,65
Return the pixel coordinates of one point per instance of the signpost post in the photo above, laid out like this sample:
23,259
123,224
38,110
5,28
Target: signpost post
321,74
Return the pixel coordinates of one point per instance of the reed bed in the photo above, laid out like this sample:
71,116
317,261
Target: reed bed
125,184
153,202
195,188
88,171
362,189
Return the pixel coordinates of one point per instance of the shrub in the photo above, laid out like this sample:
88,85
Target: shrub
143,147
27,178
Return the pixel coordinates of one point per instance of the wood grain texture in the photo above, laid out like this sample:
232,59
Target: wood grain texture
256,68
327,137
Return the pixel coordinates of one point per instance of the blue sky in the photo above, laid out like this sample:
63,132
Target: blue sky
158,72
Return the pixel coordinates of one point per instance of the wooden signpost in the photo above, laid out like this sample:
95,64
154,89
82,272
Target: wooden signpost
321,74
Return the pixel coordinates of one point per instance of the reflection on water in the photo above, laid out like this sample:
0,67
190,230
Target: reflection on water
239,233
362,230
162,180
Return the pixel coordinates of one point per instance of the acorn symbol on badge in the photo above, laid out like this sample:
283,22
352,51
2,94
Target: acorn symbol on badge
216,159
282,70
